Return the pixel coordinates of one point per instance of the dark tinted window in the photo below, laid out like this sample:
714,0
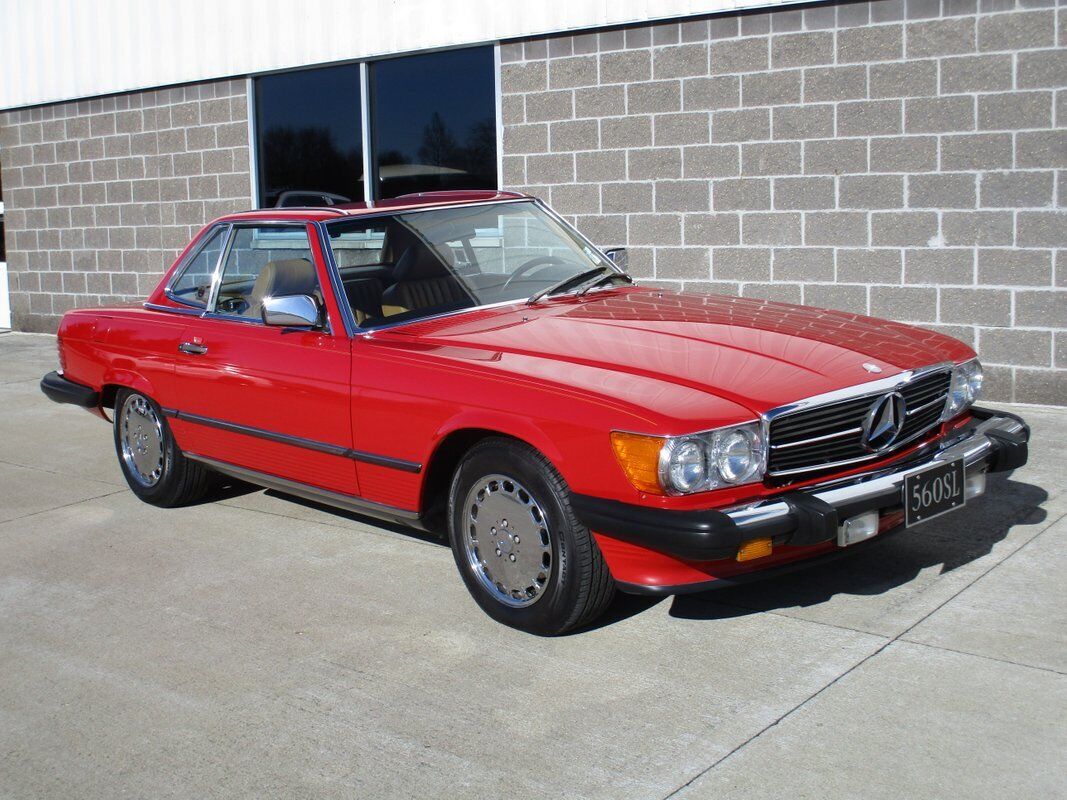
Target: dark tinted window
434,122
309,134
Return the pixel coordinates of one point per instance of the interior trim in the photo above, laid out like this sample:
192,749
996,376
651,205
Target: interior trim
297,441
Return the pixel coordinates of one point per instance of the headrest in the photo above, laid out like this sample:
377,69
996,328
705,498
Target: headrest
418,263
280,278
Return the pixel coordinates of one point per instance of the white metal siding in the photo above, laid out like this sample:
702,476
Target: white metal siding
52,50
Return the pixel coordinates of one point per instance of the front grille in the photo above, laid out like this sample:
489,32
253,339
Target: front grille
831,434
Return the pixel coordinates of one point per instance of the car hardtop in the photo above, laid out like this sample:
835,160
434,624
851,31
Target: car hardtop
407,202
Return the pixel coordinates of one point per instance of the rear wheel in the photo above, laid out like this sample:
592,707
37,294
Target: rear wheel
523,554
154,466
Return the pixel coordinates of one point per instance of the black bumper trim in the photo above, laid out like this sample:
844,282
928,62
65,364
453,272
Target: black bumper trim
1012,448
60,390
805,519
696,535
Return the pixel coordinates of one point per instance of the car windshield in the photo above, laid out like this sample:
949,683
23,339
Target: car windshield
416,264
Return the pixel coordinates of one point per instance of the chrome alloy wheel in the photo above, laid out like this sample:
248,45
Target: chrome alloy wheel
507,540
141,435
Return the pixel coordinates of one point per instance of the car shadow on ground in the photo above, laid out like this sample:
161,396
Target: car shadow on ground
227,488
951,541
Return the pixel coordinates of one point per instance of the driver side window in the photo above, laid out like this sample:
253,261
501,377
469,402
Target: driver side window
265,261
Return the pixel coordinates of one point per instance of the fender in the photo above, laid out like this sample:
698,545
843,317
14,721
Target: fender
121,376
522,428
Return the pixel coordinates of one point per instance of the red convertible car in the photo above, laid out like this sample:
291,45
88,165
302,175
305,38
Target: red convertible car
470,362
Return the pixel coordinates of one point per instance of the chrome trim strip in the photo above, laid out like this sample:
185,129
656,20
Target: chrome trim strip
859,390
828,465
296,441
814,439
939,399
348,216
313,493
189,312
216,278
973,449
367,332
184,265
337,285
370,172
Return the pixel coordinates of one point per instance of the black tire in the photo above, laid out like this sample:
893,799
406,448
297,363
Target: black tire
579,587
180,481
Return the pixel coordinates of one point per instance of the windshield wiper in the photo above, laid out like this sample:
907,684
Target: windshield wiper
563,284
599,280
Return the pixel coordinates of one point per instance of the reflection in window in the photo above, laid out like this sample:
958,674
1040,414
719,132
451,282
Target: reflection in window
309,137
193,285
434,123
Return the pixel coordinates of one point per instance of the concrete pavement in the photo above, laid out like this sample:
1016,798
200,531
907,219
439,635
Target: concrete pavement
257,646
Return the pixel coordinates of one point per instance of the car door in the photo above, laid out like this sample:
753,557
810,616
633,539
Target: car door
268,399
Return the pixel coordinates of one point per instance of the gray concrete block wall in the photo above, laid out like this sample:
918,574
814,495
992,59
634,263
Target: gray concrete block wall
902,159
100,195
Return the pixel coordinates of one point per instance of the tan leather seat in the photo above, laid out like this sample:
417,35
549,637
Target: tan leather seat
281,278
365,297
422,281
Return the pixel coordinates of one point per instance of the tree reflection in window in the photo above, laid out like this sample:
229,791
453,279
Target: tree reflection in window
309,132
434,122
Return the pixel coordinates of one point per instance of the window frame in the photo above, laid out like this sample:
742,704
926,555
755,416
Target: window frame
355,329
205,240
211,311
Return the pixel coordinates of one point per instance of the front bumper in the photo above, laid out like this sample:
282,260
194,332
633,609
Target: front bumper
990,442
60,390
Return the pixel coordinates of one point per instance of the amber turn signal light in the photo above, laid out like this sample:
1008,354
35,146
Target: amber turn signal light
638,456
755,548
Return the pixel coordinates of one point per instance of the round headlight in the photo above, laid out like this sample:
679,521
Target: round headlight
972,371
687,468
737,454
964,387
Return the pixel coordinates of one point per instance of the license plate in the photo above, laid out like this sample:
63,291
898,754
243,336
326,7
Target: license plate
933,491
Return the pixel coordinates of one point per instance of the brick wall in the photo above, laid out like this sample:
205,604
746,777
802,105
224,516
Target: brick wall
100,195
898,159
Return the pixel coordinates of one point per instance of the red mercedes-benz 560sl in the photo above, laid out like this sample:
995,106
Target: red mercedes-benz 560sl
470,362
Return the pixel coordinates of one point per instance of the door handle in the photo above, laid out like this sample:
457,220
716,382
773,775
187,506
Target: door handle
192,348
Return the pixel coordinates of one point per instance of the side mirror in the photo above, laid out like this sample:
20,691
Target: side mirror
619,257
290,311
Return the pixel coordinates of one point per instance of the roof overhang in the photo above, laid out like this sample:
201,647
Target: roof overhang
57,50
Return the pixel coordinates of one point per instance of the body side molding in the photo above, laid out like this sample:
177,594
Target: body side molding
297,441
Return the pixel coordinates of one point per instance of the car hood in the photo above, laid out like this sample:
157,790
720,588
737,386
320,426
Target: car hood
756,353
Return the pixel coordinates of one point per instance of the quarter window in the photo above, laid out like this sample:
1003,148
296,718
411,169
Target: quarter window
265,261
193,285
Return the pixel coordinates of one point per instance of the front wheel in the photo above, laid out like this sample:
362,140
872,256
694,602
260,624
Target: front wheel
154,466
523,554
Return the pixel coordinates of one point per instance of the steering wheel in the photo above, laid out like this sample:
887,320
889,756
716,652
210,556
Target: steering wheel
540,261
